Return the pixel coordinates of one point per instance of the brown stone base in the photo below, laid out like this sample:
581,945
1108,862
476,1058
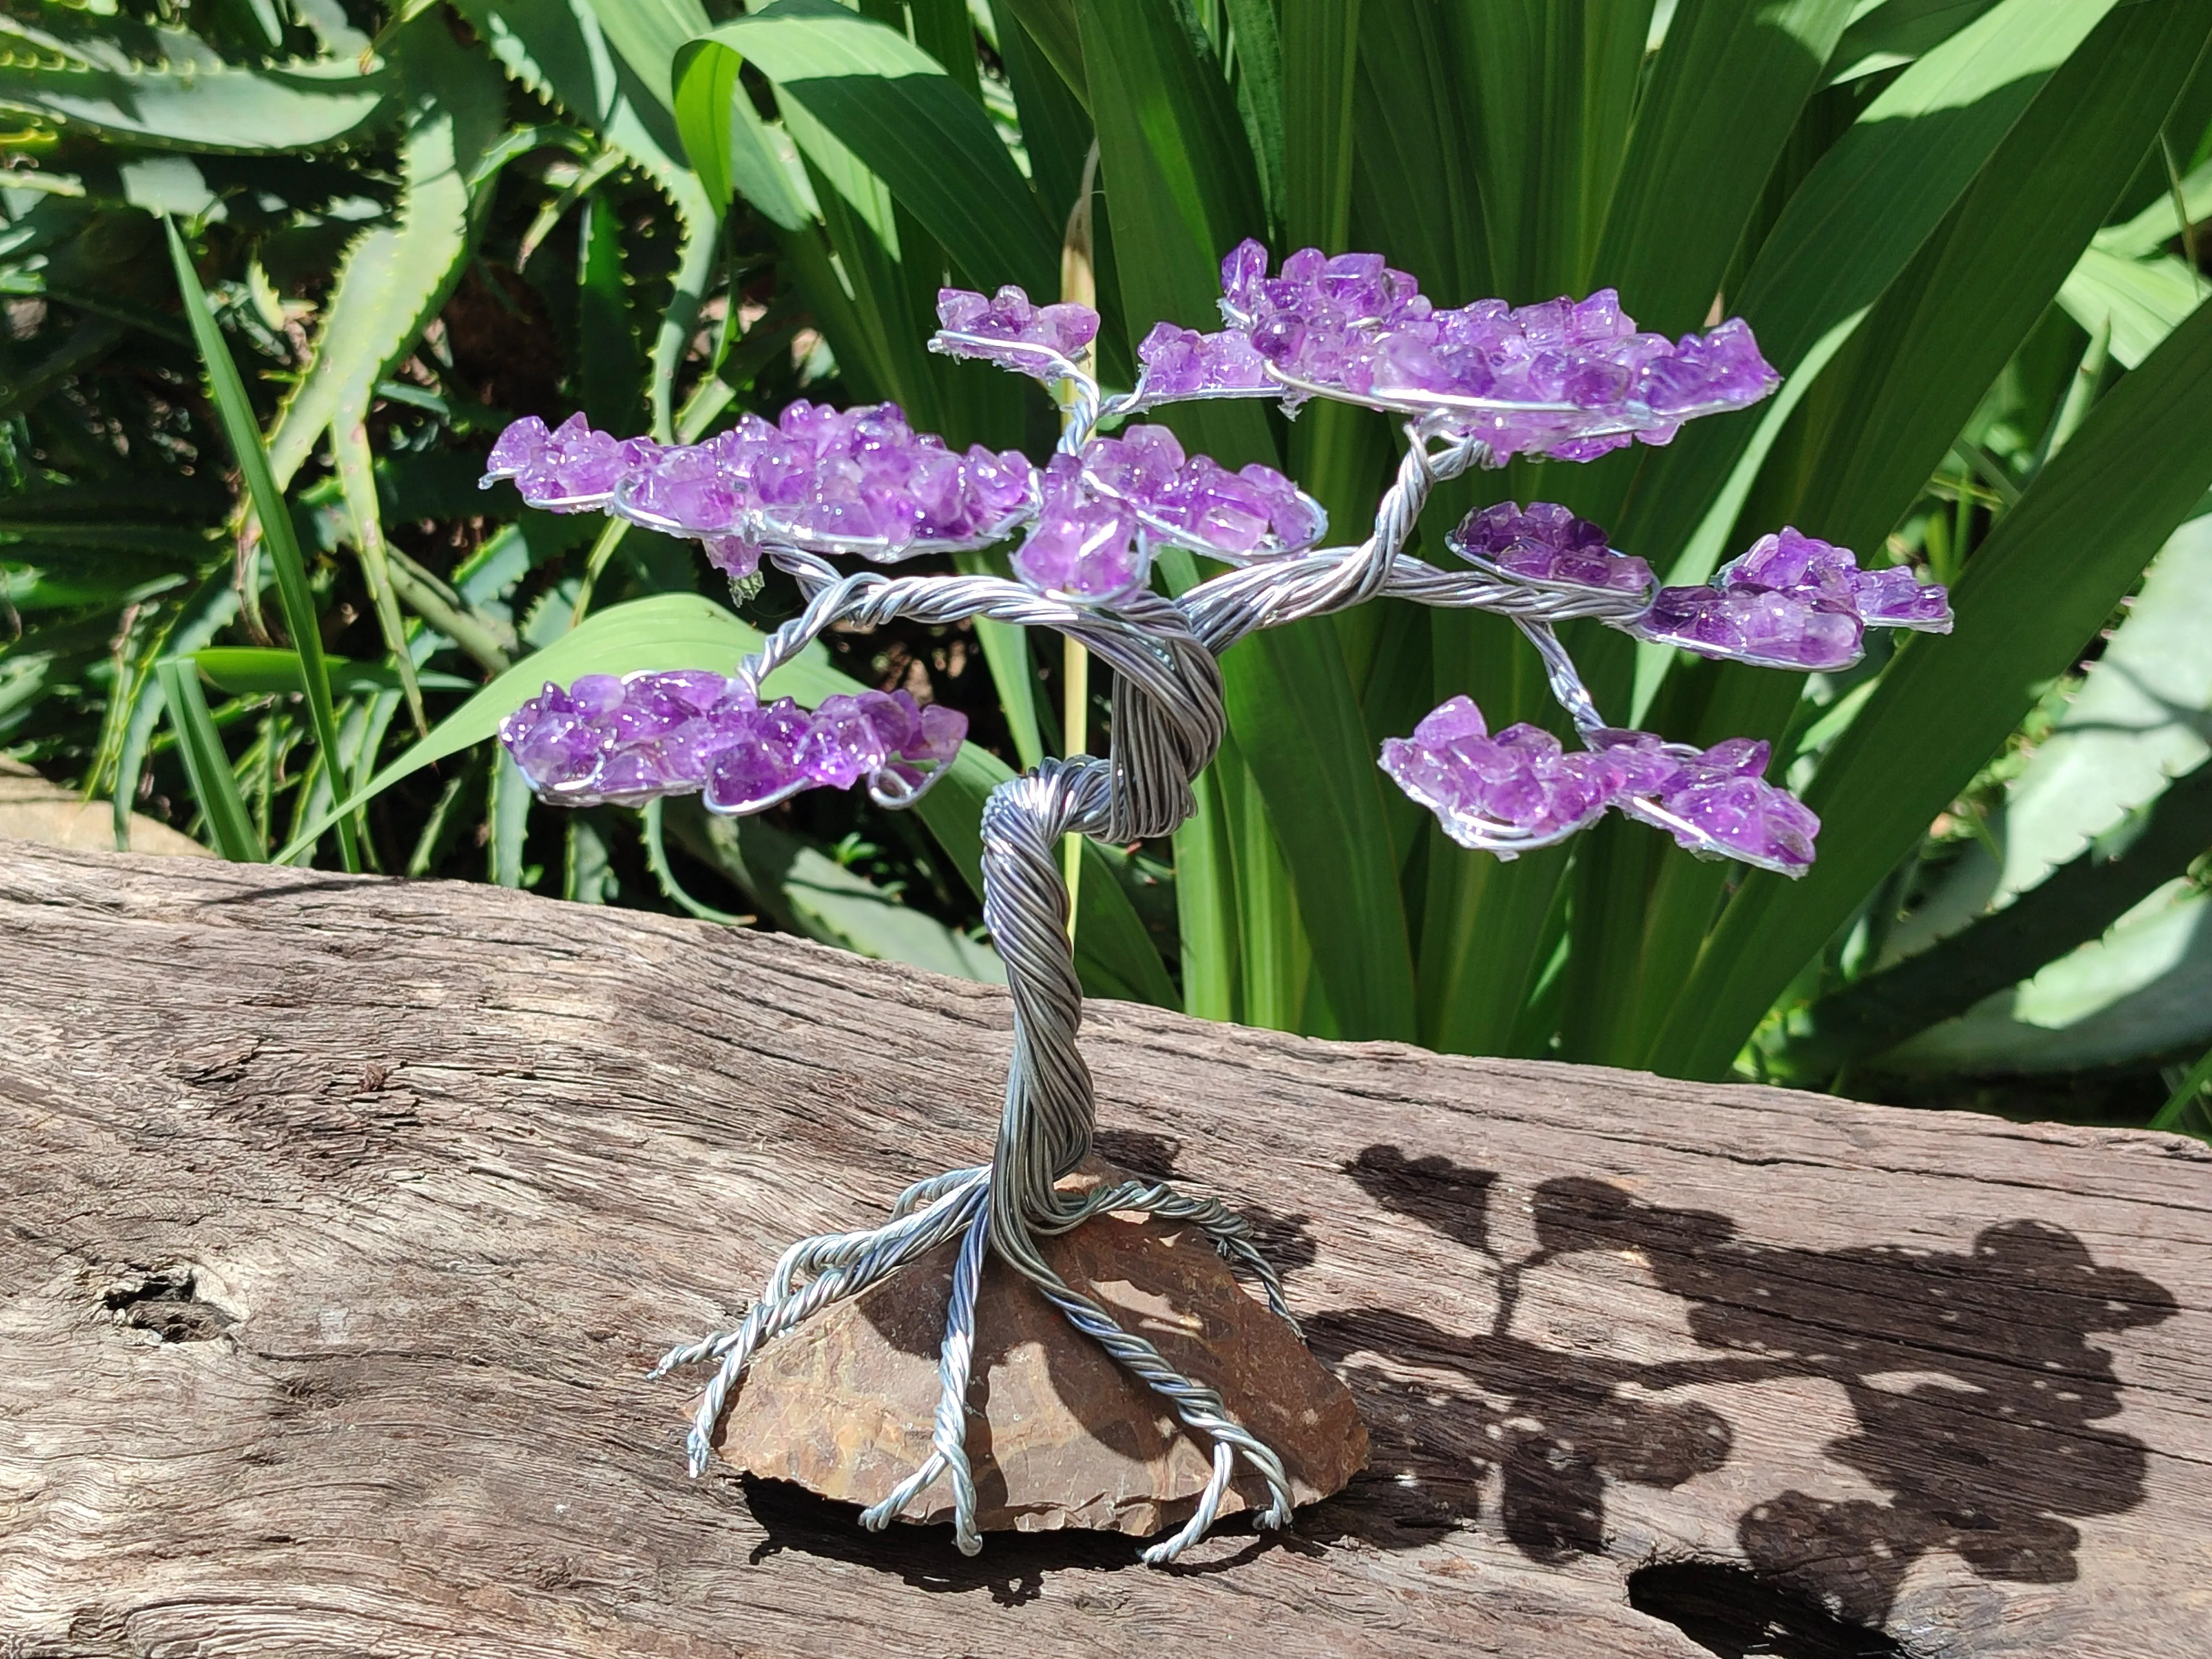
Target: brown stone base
1060,1436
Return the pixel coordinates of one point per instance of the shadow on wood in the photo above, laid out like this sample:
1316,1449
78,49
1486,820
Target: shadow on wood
340,1220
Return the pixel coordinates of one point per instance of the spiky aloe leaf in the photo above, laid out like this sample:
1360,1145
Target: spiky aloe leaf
558,49
191,99
400,270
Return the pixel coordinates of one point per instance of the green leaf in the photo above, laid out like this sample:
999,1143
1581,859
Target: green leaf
556,49
2049,575
397,273
1898,395
1320,61
1896,32
262,671
683,630
1051,24
192,100
213,784
301,620
896,111
1696,162
1885,186
808,892
2140,300
2071,908
2141,993
1553,89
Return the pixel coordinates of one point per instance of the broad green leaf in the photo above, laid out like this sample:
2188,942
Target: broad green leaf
1184,191
263,671
2069,908
1899,393
208,766
1696,162
808,892
683,630
1891,403
1554,88
1884,186
1895,32
895,110
301,619
1416,193
2141,992
1319,63
2139,300
1859,218
1258,41
1051,25
192,100
2141,717
2045,580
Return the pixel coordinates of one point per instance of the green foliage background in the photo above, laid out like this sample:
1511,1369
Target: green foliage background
250,585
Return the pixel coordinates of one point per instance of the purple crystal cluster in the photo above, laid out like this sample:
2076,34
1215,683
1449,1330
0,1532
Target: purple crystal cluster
1522,789
1194,502
1007,329
826,480
1793,601
1567,379
1546,545
1082,546
570,469
1176,365
691,732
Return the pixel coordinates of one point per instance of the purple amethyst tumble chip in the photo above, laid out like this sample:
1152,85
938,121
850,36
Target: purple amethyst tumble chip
1547,544
687,731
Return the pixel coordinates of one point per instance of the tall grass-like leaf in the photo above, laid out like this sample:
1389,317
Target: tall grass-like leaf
2048,576
1860,216
1320,69
349,450
683,630
1051,25
1183,190
207,765
898,111
1555,86
301,620
1696,160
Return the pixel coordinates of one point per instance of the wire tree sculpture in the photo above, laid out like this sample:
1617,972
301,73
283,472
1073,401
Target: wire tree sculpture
1474,386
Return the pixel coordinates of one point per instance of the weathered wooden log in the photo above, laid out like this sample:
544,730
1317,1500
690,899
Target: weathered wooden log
341,1219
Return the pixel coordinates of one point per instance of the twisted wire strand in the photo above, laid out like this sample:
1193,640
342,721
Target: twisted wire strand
949,1439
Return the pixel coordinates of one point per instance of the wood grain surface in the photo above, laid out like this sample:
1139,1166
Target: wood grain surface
340,1219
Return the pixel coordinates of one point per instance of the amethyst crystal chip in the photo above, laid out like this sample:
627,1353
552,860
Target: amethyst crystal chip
835,481
1176,365
1792,601
1006,329
1195,502
1716,804
1519,789
1505,794
571,469
687,732
1546,545
1564,378
1082,546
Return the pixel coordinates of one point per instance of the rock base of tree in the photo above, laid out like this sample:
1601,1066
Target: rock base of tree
1058,1434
